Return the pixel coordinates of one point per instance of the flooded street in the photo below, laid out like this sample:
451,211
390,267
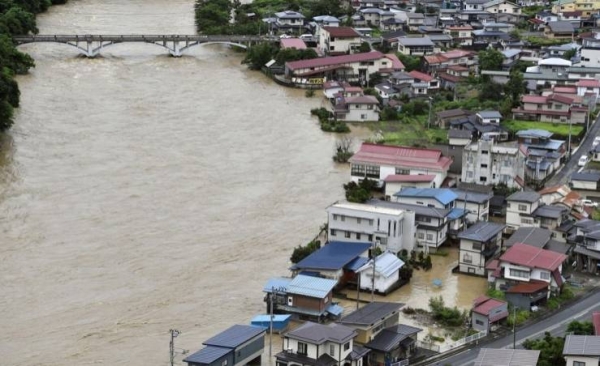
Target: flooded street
141,193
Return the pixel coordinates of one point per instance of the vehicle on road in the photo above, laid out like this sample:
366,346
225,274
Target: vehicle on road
583,160
589,203
596,141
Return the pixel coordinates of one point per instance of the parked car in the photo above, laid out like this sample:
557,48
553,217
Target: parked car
306,37
583,160
589,203
285,36
596,141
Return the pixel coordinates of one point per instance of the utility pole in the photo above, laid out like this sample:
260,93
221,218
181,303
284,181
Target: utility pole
429,119
174,334
271,321
373,274
358,291
570,131
515,327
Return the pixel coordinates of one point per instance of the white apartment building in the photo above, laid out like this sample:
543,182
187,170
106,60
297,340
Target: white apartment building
393,229
486,162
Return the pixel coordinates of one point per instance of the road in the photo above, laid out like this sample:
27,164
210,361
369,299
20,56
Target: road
556,324
563,175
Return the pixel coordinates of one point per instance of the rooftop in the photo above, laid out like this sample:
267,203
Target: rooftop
389,338
534,236
409,178
470,196
524,196
415,41
234,336
296,43
482,231
207,355
530,287
333,256
366,207
550,211
533,257
484,305
417,209
582,345
335,60
319,333
386,264
371,313
489,114
342,32
400,156
442,195
561,27
506,357
586,177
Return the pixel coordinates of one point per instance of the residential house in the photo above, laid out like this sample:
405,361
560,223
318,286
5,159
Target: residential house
546,16
390,39
477,204
527,274
478,244
585,183
537,237
487,162
371,319
520,207
474,4
435,62
442,118
412,20
586,239
563,5
304,296
423,83
461,35
390,229
492,32
581,350
560,50
236,346
352,68
326,21
384,277
506,357
487,117
394,344
551,217
487,311
554,108
415,46
392,24
590,50
501,7
511,56
431,197
459,137
441,41
362,108
431,224
375,17
296,43
468,59
338,40
543,154
453,75
387,91
318,344
396,182
376,161
589,87
561,29
289,21
336,260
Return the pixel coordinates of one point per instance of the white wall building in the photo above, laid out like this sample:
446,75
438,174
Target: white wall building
519,209
392,228
387,269
485,162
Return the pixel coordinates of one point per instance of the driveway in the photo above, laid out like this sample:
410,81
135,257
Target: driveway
556,324
570,167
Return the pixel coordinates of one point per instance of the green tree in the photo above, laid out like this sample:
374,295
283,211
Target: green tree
410,62
257,56
388,114
490,59
515,87
212,16
550,349
292,54
490,91
568,55
581,328
301,252
360,192
364,47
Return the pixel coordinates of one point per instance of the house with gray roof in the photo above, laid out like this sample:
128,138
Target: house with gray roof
415,46
395,343
321,345
561,29
585,182
371,319
476,203
537,237
459,137
478,244
581,350
489,117
586,241
236,346
519,209
506,357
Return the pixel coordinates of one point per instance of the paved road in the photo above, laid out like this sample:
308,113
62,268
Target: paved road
563,175
556,324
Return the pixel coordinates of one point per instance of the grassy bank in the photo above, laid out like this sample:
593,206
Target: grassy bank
556,128
411,131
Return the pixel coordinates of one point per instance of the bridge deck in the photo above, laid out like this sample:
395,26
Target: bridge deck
143,38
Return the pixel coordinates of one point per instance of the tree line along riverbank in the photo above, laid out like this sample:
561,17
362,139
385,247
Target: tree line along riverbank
17,17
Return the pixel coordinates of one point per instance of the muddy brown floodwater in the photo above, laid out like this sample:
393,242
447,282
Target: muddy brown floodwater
141,193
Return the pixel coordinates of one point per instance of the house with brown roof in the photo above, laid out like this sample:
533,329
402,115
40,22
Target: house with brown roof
377,162
352,105
527,274
442,118
423,84
351,68
554,108
486,312
461,35
335,41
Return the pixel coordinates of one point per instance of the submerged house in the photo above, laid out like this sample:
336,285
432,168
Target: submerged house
384,277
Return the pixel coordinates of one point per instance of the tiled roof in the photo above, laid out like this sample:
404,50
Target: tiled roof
486,304
532,257
450,113
296,43
341,32
421,76
457,54
506,357
435,59
535,236
524,196
335,60
560,98
589,83
311,286
536,99
412,178
415,41
319,333
565,89
530,287
391,337
401,156
448,77
482,231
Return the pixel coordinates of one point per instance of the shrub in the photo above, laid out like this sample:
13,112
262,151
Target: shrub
309,93
496,294
302,252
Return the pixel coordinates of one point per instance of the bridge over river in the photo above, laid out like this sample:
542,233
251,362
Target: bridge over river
92,45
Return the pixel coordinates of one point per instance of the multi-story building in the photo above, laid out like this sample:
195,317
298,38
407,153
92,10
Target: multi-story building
587,245
477,204
415,46
520,207
431,197
391,229
376,162
478,244
289,21
501,7
554,108
543,155
338,40
486,162
461,35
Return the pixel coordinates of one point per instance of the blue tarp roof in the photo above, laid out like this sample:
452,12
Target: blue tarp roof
207,355
443,195
234,336
333,256
335,310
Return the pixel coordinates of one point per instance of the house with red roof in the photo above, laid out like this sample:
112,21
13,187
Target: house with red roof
554,108
423,83
589,87
527,274
377,162
351,68
486,312
352,105
596,322
338,40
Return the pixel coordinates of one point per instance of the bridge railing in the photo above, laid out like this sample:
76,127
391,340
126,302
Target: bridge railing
143,38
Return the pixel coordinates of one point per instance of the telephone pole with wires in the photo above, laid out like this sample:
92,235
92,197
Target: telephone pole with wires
174,334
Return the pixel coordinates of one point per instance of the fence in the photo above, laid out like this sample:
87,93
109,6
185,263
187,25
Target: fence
429,345
462,342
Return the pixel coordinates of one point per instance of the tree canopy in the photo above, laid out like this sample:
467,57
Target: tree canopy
490,59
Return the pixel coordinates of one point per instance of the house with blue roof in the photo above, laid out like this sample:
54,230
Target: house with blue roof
236,346
307,297
431,197
385,277
336,260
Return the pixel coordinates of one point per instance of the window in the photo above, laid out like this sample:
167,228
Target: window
347,234
343,218
347,346
578,363
429,237
357,236
420,236
477,246
484,166
484,152
335,217
370,237
400,171
372,171
302,348
545,275
479,322
519,273
332,350
371,222
522,207
357,170
224,363
467,258
358,220
363,116
483,179
527,220
333,232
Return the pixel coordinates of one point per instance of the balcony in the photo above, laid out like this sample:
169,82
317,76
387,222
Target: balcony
489,250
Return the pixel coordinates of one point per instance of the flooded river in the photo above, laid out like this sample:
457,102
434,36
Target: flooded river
141,193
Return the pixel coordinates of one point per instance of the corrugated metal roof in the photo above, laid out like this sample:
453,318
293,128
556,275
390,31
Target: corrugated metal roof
386,264
535,236
334,309
267,318
234,336
333,256
582,345
442,195
207,355
356,264
457,213
311,286
371,313
278,283
524,196
532,257
506,357
482,231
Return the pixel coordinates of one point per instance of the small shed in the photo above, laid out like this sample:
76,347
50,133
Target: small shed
280,322
387,273
487,311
